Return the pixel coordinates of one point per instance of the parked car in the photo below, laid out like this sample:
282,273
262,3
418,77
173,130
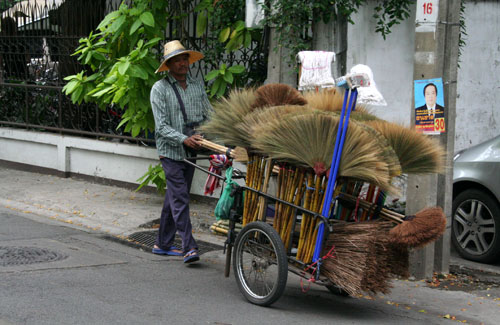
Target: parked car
475,230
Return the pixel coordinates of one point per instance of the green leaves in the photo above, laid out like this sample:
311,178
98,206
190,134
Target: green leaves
205,10
201,23
121,61
238,36
224,77
154,175
212,74
123,67
135,26
390,13
224,34
111,16
228,77
237,69
147,19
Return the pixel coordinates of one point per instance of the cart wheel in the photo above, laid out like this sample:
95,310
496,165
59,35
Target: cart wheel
260,263
338,291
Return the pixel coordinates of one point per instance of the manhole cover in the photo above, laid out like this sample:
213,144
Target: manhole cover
22,255
148,238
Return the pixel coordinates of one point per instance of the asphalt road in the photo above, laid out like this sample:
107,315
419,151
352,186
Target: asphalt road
96,281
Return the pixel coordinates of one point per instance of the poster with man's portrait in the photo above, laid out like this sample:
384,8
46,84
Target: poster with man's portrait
429,106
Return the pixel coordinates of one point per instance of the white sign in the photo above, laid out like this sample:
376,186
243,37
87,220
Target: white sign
427,15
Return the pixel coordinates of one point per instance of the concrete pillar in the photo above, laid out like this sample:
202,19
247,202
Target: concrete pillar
279,70
436,56
332,37
63,160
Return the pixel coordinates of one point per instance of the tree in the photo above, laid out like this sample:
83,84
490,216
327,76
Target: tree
6,4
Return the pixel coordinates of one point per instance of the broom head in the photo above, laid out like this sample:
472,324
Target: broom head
424,227
276,95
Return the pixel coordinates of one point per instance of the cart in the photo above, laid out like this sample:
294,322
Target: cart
264,251
259,258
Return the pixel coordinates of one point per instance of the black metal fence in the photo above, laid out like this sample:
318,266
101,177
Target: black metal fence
37,38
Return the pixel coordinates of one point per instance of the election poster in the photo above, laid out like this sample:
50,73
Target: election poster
429,106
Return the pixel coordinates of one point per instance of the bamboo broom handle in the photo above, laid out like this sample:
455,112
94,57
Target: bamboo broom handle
278,194
224,150
289,198
219,230
297,187
248,181
277,207
298,199
216,147
262,200
304,216
284,193
256,185
310,219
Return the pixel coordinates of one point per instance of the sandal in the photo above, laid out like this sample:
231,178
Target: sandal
172,251
191,256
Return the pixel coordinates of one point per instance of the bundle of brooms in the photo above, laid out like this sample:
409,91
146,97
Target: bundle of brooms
276,125
364,259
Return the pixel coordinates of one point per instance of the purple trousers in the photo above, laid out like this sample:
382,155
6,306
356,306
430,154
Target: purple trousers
175,212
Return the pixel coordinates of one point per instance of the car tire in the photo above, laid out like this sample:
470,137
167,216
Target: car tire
475,230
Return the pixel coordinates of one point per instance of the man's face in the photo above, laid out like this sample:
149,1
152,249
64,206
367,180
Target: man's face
430,96
179,65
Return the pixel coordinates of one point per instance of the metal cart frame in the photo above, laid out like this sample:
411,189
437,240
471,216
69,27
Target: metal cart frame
260,260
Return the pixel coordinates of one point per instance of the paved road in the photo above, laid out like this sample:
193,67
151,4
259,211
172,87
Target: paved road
96,281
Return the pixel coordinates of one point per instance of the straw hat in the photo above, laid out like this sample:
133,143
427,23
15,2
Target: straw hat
174,48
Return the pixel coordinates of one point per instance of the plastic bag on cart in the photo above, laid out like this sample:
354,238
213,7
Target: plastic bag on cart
226,201
368,95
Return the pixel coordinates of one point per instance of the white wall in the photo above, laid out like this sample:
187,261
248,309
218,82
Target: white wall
478,88
478,92
391,61
104,159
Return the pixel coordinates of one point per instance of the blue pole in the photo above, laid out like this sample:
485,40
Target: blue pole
337,154
336,147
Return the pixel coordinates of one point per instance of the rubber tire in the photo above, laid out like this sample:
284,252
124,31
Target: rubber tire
337,291
281,260
492,254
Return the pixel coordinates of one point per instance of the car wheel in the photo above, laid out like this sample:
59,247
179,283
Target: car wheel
476,226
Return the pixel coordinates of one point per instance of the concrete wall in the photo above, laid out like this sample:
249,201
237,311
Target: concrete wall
478,88
391,61
478,95
73,155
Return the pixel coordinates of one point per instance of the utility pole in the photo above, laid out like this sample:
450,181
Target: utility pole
436,56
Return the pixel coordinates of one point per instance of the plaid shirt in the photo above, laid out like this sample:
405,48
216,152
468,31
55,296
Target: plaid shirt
169,121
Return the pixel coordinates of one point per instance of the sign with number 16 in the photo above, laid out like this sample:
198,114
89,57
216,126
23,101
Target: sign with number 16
427,14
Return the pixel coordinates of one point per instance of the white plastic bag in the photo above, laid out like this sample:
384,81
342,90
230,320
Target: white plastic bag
368,95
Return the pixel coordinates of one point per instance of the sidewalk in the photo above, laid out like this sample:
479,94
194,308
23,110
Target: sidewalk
94,207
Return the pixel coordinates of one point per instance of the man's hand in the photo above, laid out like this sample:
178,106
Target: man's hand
193,141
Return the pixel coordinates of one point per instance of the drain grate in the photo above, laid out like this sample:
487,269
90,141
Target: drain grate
148,238
21,255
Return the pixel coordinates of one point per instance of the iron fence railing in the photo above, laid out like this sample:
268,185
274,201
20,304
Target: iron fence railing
37,38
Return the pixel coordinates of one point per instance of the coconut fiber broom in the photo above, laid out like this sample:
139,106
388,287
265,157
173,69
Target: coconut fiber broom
417,230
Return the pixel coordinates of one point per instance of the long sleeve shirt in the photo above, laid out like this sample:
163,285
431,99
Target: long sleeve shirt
167,112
